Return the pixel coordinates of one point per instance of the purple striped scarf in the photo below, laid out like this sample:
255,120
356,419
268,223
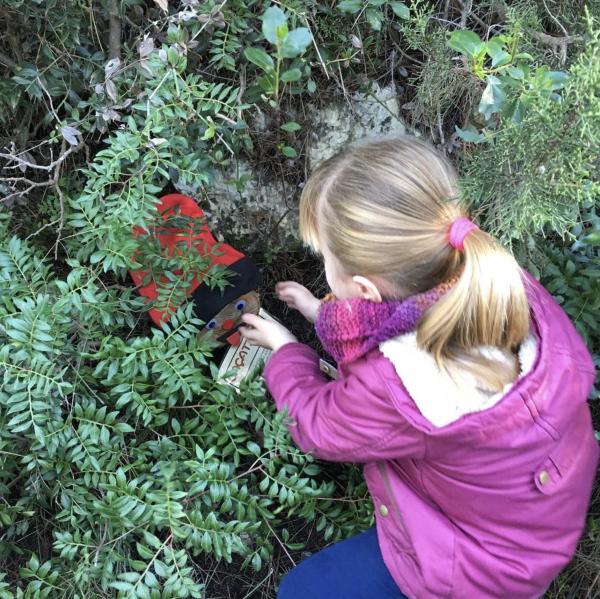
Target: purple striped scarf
348,329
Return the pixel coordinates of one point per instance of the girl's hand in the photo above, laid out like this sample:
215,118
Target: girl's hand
300,298
266,333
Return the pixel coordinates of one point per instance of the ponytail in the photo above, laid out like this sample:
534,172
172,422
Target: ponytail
487,307
385,209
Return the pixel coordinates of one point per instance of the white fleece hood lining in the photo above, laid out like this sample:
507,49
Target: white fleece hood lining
442,399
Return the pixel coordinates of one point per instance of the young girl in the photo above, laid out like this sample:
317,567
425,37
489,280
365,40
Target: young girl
462,388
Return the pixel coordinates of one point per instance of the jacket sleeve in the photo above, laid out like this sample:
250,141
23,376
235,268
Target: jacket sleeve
349,419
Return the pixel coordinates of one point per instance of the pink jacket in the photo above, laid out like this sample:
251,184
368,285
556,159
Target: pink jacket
491,505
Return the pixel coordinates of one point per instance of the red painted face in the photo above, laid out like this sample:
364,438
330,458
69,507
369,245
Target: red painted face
224,326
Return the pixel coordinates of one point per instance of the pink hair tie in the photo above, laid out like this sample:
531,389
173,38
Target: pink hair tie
459,229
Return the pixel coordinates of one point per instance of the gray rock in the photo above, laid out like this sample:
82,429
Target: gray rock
244,204
372,114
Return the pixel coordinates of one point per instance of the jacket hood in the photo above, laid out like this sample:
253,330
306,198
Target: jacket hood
562,362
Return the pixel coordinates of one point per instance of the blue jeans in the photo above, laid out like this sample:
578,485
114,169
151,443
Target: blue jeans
350,569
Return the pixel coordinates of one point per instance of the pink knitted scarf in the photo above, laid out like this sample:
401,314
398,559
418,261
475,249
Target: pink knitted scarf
348,329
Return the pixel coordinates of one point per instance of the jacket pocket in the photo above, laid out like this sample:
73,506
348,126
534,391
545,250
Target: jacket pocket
565,455
425,539
392,500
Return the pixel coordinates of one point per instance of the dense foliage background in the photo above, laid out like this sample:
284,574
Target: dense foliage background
126,468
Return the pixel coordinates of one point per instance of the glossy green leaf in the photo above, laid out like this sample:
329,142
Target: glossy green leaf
260,58
296,42
291,126
553,80
350,6
400,9
374,18
467,42
291,75
493,97
497,53
516,72
289,152
470,135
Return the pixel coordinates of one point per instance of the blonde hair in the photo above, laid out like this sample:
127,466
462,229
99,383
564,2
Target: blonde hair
384,209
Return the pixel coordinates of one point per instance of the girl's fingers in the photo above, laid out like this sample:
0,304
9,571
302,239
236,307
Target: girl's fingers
253,335
246,332
265,333
291,292
290,303
252,319
288,286
294,288
286,296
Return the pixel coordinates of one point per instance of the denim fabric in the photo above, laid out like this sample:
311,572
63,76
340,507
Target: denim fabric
350,569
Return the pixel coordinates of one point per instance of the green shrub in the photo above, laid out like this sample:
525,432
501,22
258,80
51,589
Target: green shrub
120,451
126,467
535,173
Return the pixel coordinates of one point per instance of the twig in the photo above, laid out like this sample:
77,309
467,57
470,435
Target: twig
440,126
225,118
44,167
39,82
553,40
100,545
41,229
241,89
61,218
396,41
259,584
209,21
323,65
32,185
114,30
482,23
281,543
465,12
346,97
446,8
555,19
8,62
558,43
359,15
51,182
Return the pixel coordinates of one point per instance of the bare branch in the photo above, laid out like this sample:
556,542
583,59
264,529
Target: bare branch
465,12
44,167
555,19
61,199
45,226
8,62
114,30
559,44
55,165
553,40
32,185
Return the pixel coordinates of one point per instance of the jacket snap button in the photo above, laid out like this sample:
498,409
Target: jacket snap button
544,477
383,510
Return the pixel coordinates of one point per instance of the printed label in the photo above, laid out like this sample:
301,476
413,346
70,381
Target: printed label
244,359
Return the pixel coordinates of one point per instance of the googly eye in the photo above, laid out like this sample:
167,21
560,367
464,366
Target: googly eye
240,305
212,324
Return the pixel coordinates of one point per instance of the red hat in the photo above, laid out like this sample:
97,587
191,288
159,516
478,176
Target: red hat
207,302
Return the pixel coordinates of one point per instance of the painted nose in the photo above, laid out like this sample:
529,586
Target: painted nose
228,324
